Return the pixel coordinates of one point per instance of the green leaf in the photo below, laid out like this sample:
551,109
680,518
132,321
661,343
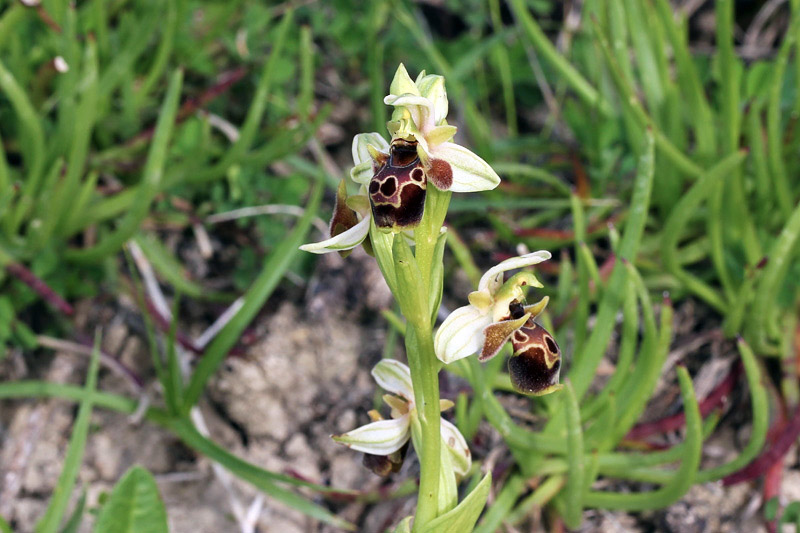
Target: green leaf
462,519
404,526
72,463
168,266
261,289
134,507
74,522
150,185
5,528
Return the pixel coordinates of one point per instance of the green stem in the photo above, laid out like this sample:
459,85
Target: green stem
416,279
425,377
426,380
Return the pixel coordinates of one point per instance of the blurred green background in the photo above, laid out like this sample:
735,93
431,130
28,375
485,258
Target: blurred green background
151,122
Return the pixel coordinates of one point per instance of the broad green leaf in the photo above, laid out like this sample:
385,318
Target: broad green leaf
134,507
462,519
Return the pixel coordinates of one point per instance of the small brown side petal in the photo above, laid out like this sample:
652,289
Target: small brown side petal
497,334
440,174
536,363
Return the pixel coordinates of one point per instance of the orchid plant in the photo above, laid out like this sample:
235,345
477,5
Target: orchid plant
404,189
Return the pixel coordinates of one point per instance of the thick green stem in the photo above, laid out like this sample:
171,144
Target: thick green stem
417,279
425,376
425,369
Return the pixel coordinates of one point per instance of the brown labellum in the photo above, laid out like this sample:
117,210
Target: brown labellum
397,190
536,363
383,465
343,217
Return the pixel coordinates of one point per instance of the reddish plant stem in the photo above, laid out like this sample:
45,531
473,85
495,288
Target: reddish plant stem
225,81
41,288
163,324
566,234
786,434
46,18
677,421
582,187
772,489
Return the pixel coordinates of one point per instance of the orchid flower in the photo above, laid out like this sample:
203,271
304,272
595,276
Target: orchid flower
496,315
352,215
387,437
394,176
420,118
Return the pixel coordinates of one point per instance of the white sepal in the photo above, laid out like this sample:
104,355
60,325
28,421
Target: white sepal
378,438
362,173
461,334
432,88
490,279
470,172
420,109
395,377
360,142
347,240
458,448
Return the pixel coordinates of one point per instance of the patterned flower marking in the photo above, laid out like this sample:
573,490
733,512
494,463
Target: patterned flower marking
397,190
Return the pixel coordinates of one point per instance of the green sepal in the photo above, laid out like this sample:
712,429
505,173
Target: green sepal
437,275
463,517
448,487
404,526
402,83
410,293
382,249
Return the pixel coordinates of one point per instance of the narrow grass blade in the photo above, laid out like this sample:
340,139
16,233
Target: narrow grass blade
583,371
683,477
151,181
760,416
255,111
72,461
542,44
503,502
573,514
680,217
32,142
775,143
74,522
161,58
168,266
271,273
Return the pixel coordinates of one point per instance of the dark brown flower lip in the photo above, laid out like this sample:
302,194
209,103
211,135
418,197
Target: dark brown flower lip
397,190
535,365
